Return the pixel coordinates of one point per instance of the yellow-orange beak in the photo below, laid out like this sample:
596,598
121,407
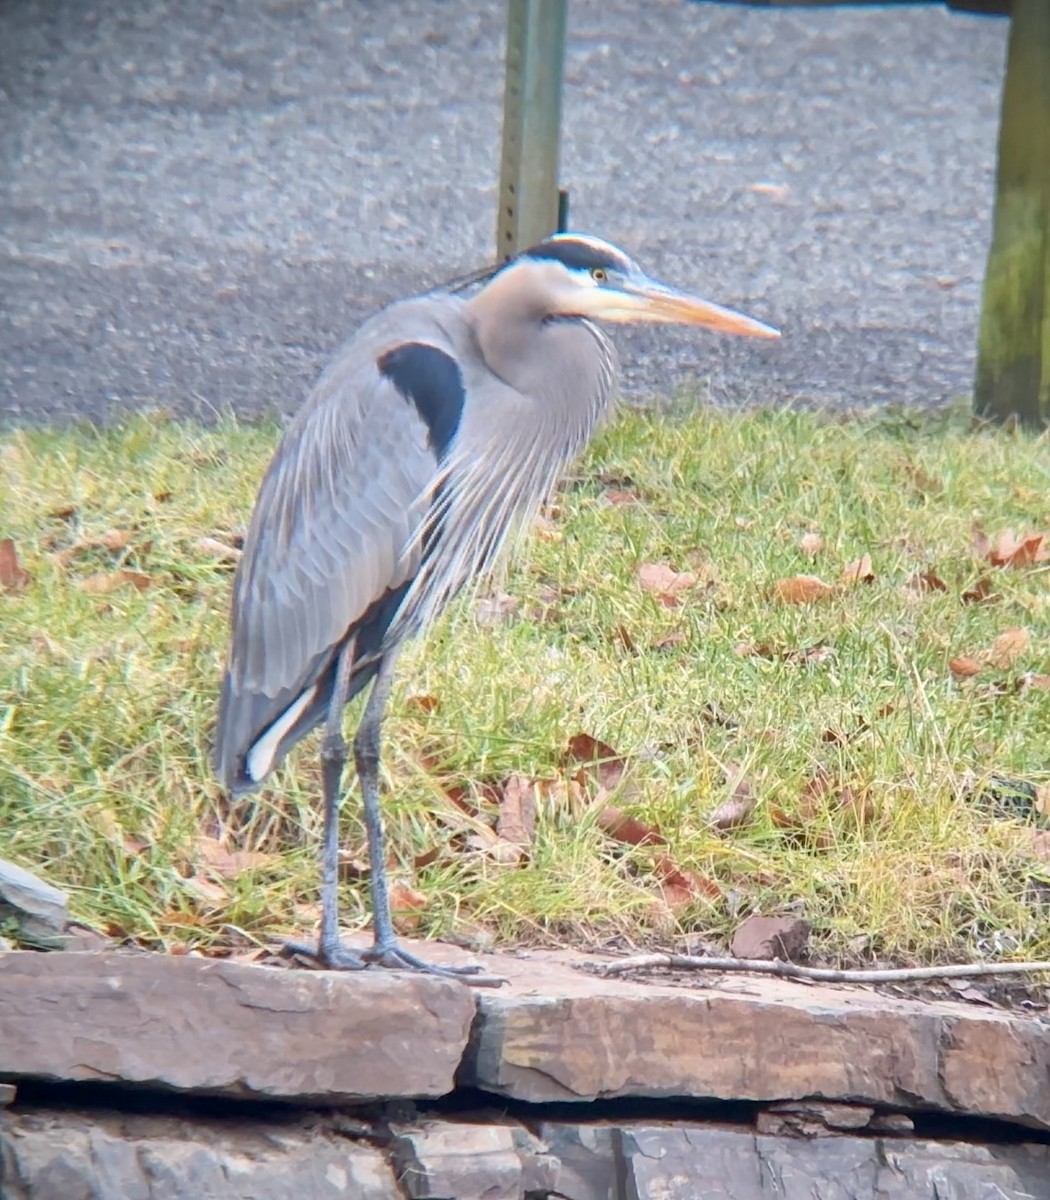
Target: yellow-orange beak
640,299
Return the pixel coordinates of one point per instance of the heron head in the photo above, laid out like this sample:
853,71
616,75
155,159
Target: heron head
593,279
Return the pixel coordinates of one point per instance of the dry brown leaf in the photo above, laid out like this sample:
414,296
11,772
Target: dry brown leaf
1010,549
588,751
963,667
732,813
230,863
802,589
665,583
629,830
680,888
859,571
13,577
811,544
62,512
817,653
207,890
115,539
516,821
99,585
1008,647
422,703
622,496
406,905
678,638
215,548
980,593
925,581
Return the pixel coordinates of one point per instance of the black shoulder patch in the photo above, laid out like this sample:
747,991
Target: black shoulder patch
579,254
433,382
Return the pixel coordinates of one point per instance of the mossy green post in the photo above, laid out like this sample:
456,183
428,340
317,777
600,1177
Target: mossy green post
1013,367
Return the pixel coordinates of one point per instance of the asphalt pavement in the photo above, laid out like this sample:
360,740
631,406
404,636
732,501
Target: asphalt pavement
199,200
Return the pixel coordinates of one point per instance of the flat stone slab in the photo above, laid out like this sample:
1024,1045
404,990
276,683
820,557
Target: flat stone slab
69,1155
557,1034
554,1033
220,1028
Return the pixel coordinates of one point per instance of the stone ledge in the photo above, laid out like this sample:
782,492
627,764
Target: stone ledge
109,1156
219,1028
553,1034
559,1035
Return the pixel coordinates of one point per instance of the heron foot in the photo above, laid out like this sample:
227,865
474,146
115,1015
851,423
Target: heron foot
391,955
336,957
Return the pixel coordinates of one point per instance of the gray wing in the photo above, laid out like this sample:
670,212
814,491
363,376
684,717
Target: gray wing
335,533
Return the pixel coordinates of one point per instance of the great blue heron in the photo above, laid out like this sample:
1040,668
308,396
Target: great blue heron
440,425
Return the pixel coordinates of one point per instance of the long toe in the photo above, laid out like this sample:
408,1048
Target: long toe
396,958
335,957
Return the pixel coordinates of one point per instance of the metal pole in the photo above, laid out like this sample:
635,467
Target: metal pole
528,190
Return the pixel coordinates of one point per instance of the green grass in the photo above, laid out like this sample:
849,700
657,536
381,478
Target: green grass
107,700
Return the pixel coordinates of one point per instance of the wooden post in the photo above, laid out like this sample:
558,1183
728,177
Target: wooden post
1013,365
528,190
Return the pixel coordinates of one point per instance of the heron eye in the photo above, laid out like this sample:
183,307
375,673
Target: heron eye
599,274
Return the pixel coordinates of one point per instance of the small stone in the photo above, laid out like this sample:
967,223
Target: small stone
897,1124
454,1159
811,1118
40,912
786,938
8,1092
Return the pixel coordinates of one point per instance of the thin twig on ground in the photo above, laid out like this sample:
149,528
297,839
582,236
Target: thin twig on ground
789,970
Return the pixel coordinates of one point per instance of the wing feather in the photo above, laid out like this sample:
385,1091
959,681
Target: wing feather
334,534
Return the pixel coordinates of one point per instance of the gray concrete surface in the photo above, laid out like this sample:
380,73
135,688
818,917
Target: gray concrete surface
199,200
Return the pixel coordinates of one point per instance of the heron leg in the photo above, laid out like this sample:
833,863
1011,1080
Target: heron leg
330,951
385,950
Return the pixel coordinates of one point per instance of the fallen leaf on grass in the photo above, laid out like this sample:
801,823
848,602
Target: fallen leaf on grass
802,589
207,890
14,578
811,544
422,703
214,548
732,813
964,667
859,571
623,496
980,593
680,888
820,798
101,584
678,638
516,820
230,863
629,830
1009,549
665,583
406,905
112,540
925,581
588,751
817,653
1008,647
